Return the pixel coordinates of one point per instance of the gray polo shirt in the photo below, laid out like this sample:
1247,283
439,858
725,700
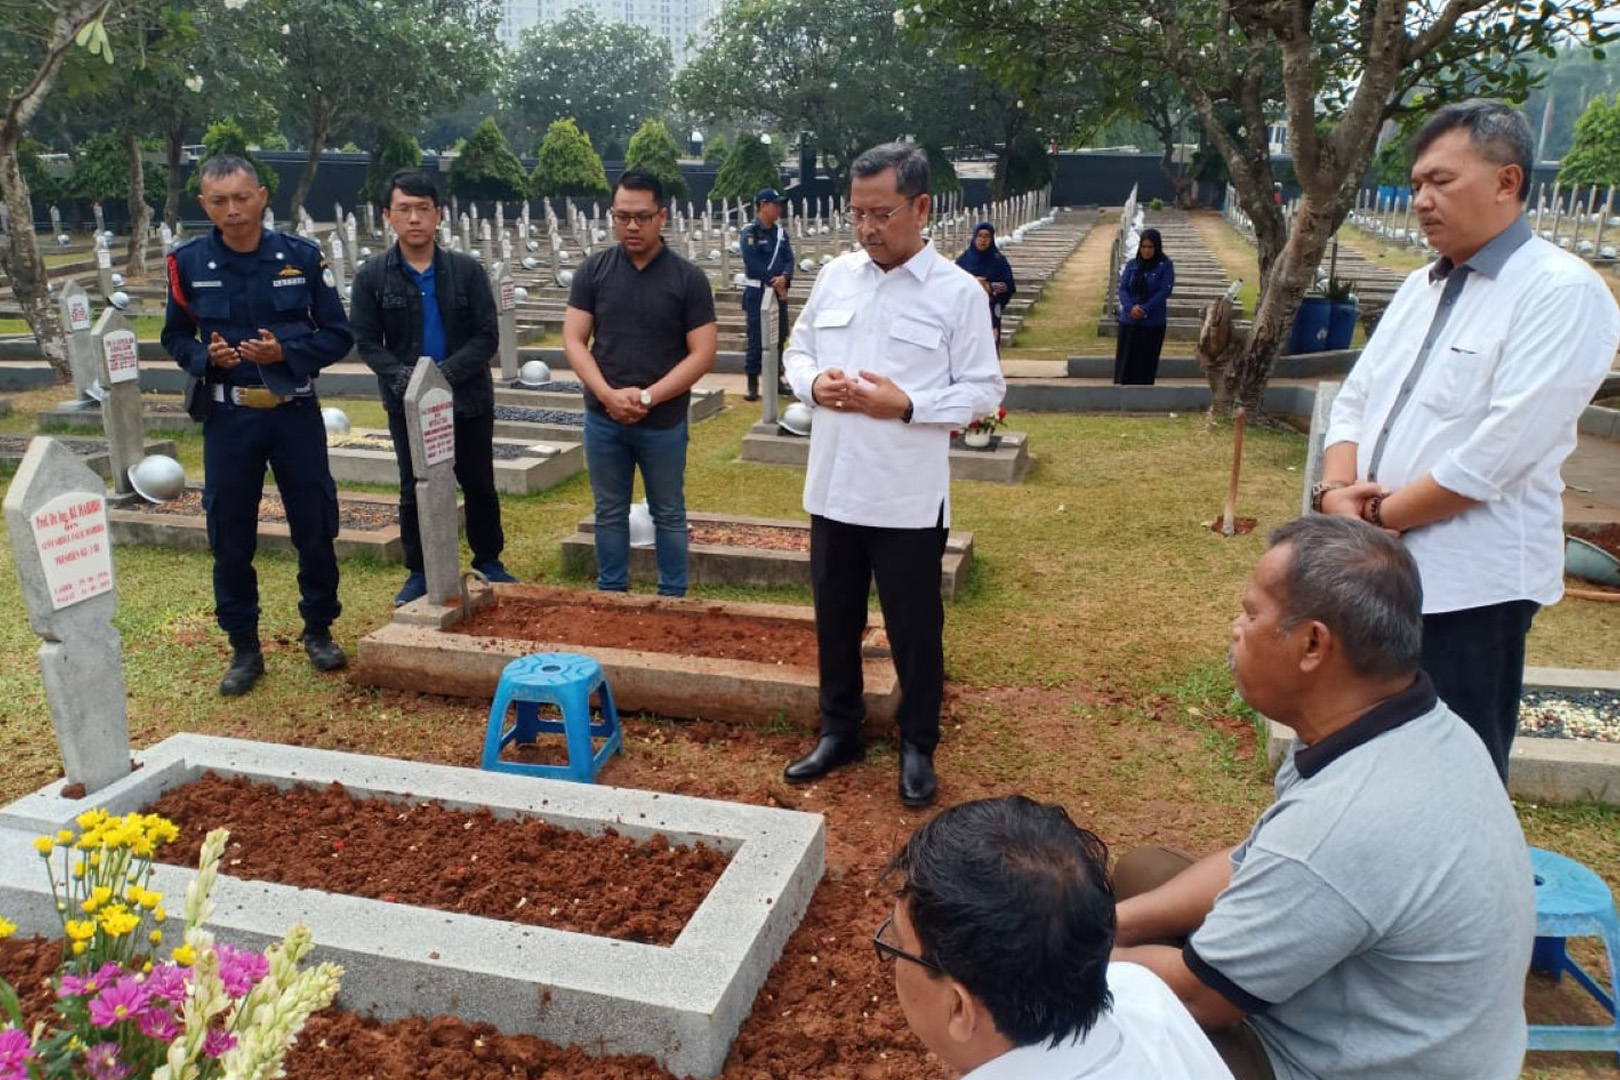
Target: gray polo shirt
1381,913
641,319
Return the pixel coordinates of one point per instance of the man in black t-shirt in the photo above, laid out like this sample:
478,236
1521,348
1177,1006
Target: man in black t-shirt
639,331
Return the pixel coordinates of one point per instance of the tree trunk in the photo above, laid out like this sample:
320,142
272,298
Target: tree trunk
140,215
22,262
173,151
306,178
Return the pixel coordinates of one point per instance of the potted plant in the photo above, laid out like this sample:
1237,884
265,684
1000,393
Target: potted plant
978,433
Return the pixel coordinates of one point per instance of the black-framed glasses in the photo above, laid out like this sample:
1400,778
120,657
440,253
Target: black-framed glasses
889,951
644,218
879,218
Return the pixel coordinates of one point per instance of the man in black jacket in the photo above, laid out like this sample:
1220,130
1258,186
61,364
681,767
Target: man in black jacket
394,323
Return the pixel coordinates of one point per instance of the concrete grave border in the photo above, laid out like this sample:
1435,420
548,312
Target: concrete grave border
527,474
100,462
190,532
74,420
1543,770
705,401
1008,463
721,564
683,1004
414,652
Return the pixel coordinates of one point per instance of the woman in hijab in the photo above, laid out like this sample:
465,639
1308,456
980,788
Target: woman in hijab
985,261
1144,306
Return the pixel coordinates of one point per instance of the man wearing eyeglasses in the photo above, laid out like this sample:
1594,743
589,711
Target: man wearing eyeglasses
420,300
894,348
639,332
1000,940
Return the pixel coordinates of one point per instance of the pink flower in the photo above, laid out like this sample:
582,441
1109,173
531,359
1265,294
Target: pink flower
239,969
168,982
158,1023
218,1042
101,1062
88,985
15,1053
123,1000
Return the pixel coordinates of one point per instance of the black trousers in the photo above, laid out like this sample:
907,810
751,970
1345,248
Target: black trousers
1136,354
475,472
844,561
1476,659
238,443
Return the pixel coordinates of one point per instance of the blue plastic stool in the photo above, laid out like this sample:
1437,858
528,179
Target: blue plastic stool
565,680
1571,901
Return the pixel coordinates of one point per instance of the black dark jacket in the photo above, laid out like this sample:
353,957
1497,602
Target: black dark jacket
385,312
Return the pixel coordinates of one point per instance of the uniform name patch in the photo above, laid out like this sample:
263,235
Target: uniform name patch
207,284
279,282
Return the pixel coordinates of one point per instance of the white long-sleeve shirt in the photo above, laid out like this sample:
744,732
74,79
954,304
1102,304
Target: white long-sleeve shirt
1147,1035
923,324
1491,415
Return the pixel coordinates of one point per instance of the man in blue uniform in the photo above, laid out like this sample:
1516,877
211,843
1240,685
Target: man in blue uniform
767,264
254,315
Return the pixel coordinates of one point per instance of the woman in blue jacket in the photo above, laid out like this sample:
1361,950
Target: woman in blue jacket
1144,306
985,262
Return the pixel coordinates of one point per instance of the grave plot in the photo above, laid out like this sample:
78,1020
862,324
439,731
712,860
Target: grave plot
681,1003
368,524
736,663
1005,461
730,550
164,414
94,452
522,467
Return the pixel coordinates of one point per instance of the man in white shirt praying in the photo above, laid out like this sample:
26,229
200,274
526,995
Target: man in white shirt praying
1452,427
894,349
1000,941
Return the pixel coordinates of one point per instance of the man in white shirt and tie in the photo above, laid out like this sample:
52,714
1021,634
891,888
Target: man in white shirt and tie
894,349
1453,426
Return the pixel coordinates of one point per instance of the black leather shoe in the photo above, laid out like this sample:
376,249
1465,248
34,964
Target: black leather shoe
917,783
246,667
324,653
831,752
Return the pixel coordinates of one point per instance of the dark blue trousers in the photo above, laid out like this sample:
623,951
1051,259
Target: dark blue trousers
753,357
238,444
1476,659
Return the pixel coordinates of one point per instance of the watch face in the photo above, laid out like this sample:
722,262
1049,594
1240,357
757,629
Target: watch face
646,397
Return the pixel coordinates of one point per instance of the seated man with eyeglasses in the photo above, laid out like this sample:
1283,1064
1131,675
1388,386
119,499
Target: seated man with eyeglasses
1001,934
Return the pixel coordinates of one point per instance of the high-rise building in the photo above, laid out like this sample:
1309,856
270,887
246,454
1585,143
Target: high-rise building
673,20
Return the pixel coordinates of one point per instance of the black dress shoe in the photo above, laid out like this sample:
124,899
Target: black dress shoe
246,667
831,752
324,653
917,783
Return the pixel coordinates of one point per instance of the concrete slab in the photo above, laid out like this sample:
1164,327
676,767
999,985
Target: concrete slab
1322,365
1544,770
726,564
72,419
190,531
417,651
522,467
683,1004
569,397
1006,463
92,450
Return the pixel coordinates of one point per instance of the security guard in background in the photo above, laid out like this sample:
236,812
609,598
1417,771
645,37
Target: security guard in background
767,264
254,315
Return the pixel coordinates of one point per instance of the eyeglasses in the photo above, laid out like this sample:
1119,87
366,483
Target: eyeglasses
888,951
879,218
643,218
412,210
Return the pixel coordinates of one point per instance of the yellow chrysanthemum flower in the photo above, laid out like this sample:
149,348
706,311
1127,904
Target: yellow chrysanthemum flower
80,929
159,914
65,836
7,927
78,869
185,956
118,921
99,896
78,948
91,818
155,937
45,845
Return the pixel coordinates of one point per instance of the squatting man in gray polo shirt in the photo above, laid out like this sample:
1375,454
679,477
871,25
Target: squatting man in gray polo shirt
1377,922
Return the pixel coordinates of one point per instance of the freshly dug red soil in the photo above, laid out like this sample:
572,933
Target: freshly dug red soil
1240,525
523,871
1606,537
581,618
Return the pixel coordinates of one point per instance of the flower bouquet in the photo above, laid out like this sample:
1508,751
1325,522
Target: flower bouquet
977,433
123,1012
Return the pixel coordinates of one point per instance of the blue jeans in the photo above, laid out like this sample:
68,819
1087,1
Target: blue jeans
612,453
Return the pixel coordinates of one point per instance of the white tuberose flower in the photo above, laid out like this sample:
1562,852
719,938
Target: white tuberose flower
195,84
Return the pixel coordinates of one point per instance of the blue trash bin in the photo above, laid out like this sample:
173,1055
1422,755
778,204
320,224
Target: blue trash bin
1342,325
1310,330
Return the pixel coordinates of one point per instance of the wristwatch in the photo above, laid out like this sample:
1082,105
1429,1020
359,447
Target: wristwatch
1320,489
646,398
905,417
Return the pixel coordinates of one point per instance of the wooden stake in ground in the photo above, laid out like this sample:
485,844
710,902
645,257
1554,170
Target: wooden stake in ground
1228,519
